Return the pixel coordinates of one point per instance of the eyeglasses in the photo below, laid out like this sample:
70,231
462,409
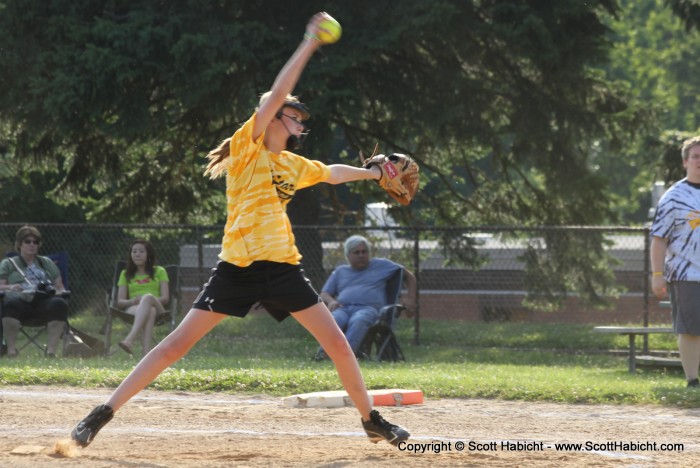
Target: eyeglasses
31,241
294,119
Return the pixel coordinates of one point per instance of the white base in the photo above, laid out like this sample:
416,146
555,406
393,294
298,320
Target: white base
340,398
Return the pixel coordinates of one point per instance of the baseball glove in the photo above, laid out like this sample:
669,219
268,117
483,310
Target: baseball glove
399,175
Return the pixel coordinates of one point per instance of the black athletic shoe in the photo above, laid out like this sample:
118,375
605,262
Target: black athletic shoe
694,383
87,429
378,429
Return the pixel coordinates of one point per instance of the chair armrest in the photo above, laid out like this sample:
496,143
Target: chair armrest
388,313
116,310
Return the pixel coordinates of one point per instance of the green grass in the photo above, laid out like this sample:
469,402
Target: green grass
511,361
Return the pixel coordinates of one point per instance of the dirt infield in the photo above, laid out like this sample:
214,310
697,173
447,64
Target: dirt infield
159,429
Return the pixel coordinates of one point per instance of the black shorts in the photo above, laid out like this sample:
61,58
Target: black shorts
40,309
280,288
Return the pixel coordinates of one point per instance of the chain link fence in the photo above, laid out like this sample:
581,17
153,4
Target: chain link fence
547,274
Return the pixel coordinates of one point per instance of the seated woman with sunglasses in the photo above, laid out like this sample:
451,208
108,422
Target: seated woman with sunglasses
20,278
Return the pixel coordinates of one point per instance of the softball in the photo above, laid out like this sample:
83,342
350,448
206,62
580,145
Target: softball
333,28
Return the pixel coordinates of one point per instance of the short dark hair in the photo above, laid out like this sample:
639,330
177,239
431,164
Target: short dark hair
687,145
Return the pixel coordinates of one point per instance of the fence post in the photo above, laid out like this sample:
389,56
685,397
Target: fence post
416,272
647,266
200,255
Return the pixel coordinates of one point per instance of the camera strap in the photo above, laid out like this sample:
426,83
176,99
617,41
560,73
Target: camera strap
19,270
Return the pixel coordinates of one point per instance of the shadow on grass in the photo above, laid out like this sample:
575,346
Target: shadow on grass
575,337
257,338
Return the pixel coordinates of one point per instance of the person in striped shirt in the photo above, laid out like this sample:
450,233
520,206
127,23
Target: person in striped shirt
675,257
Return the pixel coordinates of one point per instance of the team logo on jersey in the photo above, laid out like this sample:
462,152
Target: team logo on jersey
285,190
693,219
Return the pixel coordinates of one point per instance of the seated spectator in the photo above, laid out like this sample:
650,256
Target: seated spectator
143,292
19,277
354,293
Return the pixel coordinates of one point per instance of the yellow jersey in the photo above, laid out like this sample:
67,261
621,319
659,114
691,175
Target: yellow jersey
259,184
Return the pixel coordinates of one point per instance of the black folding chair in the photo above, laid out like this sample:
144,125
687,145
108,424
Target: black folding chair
380,342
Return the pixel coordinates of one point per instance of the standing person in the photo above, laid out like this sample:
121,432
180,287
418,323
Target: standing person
21,276
143,292
355,292
259,261
675,257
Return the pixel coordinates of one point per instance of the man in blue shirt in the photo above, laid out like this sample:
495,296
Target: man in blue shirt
355,292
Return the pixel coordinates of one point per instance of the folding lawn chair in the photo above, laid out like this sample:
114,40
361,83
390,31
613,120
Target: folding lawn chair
171,311
33,330
380,343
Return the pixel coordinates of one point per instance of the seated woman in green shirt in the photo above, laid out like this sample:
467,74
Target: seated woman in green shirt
143,292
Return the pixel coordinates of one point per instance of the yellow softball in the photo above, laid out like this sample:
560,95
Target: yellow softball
333,28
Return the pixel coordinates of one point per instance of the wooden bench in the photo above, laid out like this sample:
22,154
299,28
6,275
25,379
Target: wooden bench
632,332
657,361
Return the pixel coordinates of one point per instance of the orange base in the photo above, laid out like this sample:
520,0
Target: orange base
396,397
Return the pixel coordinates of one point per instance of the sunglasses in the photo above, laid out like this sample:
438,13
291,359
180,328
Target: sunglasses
31,241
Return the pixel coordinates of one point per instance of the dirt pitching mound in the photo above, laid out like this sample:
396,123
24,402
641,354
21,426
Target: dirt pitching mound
166,429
